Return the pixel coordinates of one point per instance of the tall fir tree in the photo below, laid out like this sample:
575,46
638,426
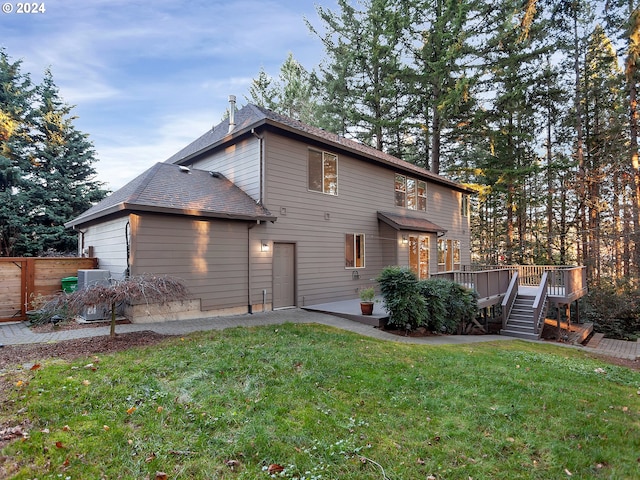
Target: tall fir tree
291,94
361,74
16,91
46,166
62,184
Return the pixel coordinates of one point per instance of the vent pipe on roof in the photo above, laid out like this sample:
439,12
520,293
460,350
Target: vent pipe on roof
232,112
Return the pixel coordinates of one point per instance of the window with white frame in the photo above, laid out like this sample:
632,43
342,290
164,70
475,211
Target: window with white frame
448,255
410,193
354,250
464,205
323,172
419,255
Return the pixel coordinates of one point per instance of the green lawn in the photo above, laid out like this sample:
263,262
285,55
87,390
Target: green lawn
325,404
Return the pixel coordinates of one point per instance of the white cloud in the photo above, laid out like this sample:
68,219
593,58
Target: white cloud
147,78
122,162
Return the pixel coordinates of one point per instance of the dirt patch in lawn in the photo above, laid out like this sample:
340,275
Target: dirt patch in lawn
77,348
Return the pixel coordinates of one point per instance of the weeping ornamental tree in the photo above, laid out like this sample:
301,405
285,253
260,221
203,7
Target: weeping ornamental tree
138,289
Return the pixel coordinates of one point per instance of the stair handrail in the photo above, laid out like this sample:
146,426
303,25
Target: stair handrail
540,302
509,298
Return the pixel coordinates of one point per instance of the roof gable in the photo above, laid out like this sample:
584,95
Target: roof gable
166,188
252,116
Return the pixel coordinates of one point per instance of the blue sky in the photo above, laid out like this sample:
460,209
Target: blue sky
148,77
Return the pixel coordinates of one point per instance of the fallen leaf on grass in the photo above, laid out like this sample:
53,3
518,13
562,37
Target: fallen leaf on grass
106,428
66,428
131,410
568,472
86,383
59,445
161,476
150,458
232,464
35,366
275,468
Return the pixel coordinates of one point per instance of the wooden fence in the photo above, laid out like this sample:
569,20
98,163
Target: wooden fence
22,279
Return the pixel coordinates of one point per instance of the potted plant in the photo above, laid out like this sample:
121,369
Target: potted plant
366,300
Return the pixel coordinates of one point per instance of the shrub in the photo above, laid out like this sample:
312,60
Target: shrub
449,304
439,305
433,292
614,309
400,290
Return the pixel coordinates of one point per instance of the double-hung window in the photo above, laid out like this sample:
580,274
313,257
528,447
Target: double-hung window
410,193
354,250
323,172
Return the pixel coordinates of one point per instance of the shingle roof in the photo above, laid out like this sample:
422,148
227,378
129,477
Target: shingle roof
173,189
252,116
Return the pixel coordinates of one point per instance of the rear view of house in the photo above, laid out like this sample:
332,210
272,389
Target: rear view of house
264,212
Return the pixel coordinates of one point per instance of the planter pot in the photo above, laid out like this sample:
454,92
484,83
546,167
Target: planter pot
366,308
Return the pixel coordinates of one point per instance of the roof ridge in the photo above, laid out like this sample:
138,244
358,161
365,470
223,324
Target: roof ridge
148,177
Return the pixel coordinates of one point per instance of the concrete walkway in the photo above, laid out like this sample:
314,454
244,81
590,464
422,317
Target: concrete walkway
19,333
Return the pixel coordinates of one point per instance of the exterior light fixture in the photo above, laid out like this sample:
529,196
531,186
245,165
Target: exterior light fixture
264,245
405,239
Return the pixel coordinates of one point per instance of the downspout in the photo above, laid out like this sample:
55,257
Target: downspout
260,142
249,270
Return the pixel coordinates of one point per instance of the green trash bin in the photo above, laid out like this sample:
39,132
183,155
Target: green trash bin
69,284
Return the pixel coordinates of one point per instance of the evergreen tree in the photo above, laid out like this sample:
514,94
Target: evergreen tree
62,184
443,73
362,74
16,92
46,172
292,94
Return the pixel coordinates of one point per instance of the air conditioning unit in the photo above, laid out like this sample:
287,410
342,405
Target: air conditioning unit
88,278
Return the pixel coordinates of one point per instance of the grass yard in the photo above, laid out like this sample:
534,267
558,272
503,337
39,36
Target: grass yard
311,402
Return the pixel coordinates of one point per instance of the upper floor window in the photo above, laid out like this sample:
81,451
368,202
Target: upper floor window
323,172
410,193
464,205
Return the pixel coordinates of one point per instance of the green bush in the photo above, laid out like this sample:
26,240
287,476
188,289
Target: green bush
439,305
400,289
434,293
614,309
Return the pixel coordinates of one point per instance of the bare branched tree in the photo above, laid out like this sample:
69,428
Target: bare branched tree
144,288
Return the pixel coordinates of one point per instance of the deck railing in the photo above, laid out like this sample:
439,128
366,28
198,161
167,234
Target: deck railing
487,283
540,303
509,298
563,282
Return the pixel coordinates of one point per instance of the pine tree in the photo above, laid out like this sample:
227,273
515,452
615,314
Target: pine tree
46,172
361,76
443,73
62,183
16,91
291,94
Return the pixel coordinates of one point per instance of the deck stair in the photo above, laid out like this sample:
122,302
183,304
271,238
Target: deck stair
520,323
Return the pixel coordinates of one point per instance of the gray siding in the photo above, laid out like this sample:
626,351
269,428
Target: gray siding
209,255
109,245
318,222
240,163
